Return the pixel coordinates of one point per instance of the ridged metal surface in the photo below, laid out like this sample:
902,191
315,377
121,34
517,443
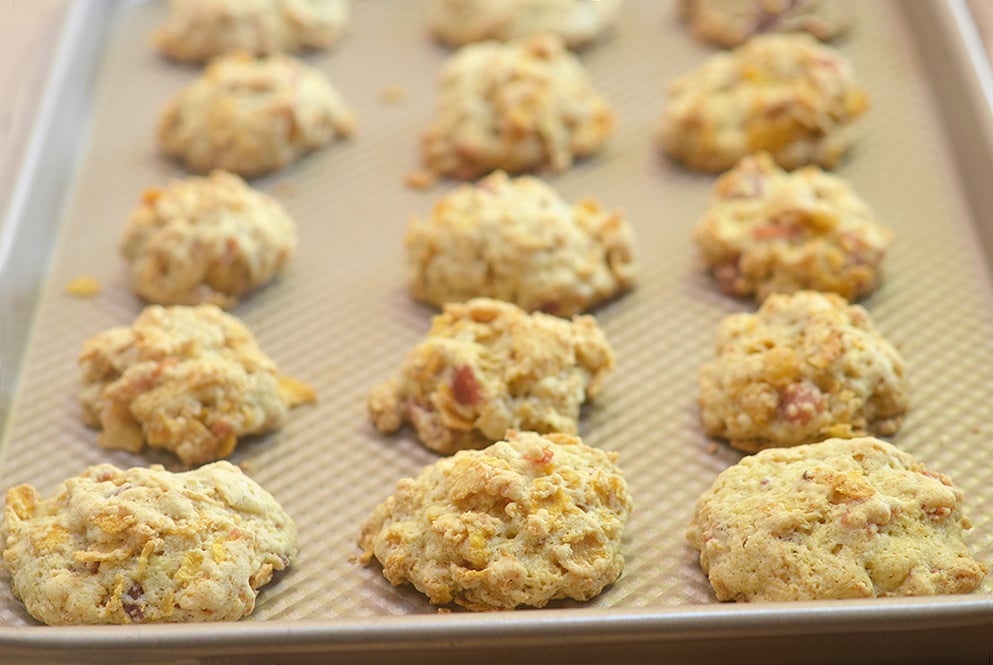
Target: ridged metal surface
340,318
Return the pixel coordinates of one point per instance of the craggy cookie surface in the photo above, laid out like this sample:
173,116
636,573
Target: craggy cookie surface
517,240
770,231
522,522
844,518
197,30
252,116
732,22
785,94
487,366
804,368
145,545
577,22
191,380
520,106
205,240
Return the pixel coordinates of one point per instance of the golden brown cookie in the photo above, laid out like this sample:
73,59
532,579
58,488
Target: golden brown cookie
488,366
145,545
521,522
515,239
732,22
804,368
844,518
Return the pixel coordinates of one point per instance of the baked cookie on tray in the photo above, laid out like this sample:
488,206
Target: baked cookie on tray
197,30
205,240
145,545
488,366
771,231
577,22
524,521
515,239
844,518
524,105
252,116
191,380
788,95
732,22
806,367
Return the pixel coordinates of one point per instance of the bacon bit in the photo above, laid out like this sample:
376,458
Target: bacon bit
221,429
775,232
84,286
465,388
232,246
727,277
392,94
550,307
546,456
130,602
800,402
422,179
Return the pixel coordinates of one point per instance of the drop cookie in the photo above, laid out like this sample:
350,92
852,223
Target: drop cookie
515,239
805,367
785,94
145,545
731,23
577,22
521,106
197,30
522,522
844,518
205,240
252,116
488,366
771,231
191,380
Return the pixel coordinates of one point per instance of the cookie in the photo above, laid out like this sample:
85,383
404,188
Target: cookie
522,522
771,231
252,116
732,22
804,368
197,30
785,94
205,240
488,366
517,240
191,380
145,545
844,518
577,22
521,106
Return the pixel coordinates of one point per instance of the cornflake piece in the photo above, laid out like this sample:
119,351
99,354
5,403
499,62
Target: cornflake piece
522,522
770,231
521,106
191,380
804,368
197,30
517,240
486,367
145,545
844,518
785,94
206,240
252,116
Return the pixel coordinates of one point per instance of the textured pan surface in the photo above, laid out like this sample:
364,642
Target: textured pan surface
341,318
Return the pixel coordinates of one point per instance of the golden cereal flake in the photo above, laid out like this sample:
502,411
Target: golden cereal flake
844,518
524,521
488,366
144,545
84,286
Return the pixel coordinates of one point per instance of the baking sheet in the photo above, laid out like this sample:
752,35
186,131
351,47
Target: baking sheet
340,319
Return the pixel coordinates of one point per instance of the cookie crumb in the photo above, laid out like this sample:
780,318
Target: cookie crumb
421,179
393,95
295,392
713,448
84,286
285,188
